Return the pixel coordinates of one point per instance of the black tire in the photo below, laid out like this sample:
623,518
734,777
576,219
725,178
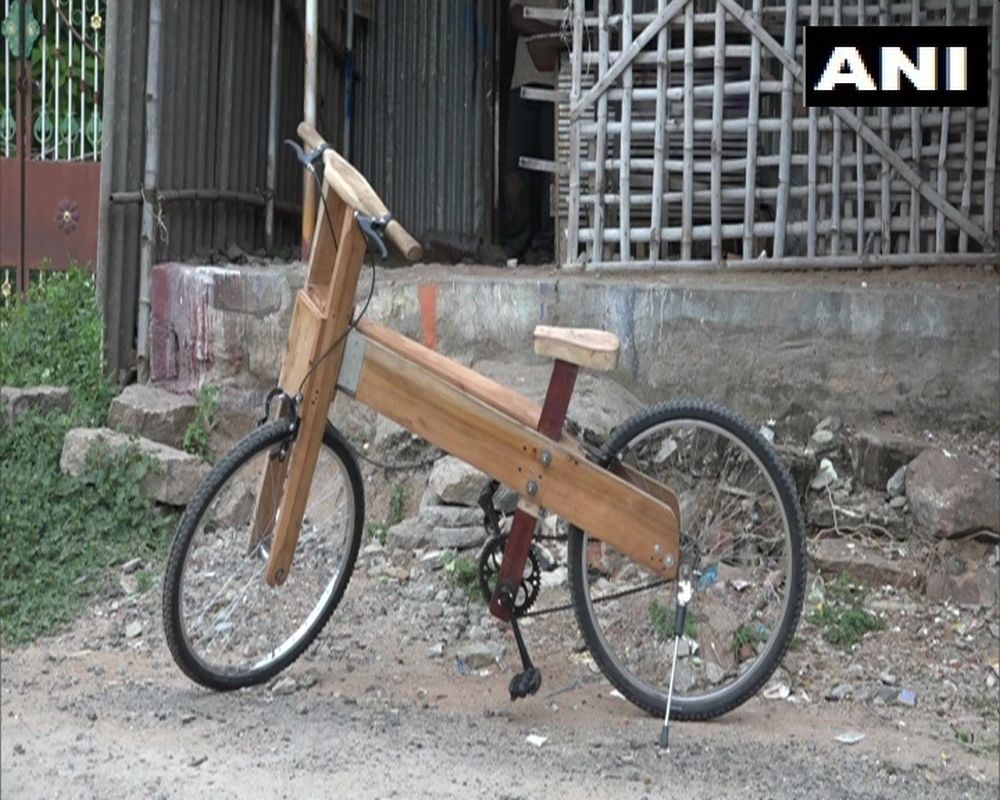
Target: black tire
206,637
640,645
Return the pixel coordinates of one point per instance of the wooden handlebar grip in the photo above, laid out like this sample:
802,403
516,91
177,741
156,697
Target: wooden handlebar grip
355,190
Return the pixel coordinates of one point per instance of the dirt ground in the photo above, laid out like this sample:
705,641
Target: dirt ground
373,711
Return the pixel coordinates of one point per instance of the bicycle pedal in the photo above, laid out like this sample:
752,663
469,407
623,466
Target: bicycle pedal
525,683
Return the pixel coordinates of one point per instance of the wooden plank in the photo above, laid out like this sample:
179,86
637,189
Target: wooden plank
576,63
308,315
659,134
970,138
865,133
719,74
942,168
593,349
688,147
785,140
603,41
325,350
753,112
884,169
916,143
812,178
625,170
607,507
580,104
838,155
989,194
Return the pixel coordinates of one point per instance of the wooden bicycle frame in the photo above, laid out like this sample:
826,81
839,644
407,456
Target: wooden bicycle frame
475,419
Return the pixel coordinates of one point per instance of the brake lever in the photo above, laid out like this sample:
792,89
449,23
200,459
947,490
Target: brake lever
373,228
307,159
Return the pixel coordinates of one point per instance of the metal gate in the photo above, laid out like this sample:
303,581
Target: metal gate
50,135
686,143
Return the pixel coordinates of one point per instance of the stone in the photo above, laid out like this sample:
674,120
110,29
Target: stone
133,630
144,410
877,454
410,534
459,538
896,485
834,557
898,502
714,673
431,561
801,464
132,565
822,441
284,686
840,692
830,423
890,519
356,421
480,655
16,402
965,572
437,516
796,425
455,482
173,481
951,495
825,475
555,578
395,445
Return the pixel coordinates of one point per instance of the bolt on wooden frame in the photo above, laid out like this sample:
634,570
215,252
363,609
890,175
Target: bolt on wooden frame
481,422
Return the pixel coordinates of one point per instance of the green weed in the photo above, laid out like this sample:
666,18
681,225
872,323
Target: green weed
841,616
197,434
59,535
463,575
397,504
53,336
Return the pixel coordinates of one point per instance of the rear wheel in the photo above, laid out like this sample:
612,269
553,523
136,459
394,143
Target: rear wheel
225,627
742,535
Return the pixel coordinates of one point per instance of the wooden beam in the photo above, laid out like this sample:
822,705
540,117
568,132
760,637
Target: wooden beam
626,58
858,125
326,311
607,507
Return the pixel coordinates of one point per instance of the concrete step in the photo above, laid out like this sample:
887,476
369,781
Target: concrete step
153,413
172,483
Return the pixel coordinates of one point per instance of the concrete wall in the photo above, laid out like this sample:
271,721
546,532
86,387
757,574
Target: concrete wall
921,347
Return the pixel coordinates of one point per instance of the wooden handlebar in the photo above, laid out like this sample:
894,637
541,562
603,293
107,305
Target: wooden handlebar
355,190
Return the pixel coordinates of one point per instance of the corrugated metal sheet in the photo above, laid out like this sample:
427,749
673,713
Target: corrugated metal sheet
421,130
214,106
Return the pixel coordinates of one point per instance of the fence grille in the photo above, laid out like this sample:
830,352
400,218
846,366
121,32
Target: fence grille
67,72
687,143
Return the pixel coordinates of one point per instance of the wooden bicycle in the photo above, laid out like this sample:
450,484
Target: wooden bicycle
685,505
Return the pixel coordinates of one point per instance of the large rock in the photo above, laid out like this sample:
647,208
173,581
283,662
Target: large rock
15,402
153,413
395,445
410,534
877,454
952,495
455,482
964,572
436,516
835,557
801,464
173,481
459,538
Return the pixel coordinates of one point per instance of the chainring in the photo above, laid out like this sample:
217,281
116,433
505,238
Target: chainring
488,565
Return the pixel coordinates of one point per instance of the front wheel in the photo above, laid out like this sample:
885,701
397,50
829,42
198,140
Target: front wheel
225,627
741,534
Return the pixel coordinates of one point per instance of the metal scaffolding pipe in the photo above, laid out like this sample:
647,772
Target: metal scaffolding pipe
272,125
150,180
309,114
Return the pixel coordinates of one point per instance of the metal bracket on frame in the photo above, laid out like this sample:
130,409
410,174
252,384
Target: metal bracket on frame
353,361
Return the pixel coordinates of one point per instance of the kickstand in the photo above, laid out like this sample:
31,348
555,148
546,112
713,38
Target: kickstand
684,591
529,679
